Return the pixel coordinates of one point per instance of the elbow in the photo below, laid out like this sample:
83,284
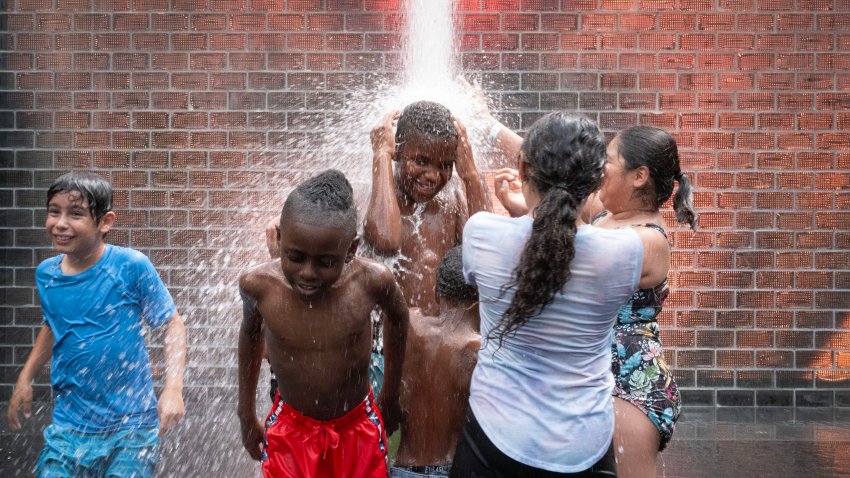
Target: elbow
385,243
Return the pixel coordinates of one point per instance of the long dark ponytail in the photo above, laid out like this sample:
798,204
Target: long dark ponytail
564,157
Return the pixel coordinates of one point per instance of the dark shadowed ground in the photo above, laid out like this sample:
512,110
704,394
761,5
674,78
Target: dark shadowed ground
709,443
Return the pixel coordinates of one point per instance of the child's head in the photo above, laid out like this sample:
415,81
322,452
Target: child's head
564,155
426,149
654,149
450,282
317,232
86,188
79,213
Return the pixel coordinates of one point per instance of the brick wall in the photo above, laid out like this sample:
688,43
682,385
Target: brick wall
199,112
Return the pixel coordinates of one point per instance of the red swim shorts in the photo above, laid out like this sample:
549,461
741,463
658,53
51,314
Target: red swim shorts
352,446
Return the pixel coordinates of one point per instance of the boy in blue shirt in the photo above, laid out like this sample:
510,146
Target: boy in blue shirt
94,298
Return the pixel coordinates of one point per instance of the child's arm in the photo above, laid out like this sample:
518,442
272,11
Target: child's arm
250,357
508,187
395,336
502,137
382,227
171,407
477,198
22,396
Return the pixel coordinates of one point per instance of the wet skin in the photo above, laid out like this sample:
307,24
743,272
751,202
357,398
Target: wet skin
416,212
313,307
428,234
440,355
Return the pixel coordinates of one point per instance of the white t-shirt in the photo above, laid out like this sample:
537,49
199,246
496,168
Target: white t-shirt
544,397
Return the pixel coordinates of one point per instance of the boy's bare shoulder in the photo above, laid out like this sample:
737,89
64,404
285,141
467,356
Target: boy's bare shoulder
371,271
259,276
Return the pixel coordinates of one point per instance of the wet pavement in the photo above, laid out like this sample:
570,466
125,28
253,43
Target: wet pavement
709,443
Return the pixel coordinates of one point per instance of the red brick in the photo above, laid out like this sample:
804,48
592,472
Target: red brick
189,120
694,318
519,22
169,140
735,359
169,22
130,140
774,359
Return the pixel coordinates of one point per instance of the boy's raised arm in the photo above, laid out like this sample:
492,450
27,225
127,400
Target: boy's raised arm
170,406
22,396
250,357
477,198
395,337
382,227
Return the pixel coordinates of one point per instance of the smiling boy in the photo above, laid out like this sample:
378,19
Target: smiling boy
313,306
415,212
95,298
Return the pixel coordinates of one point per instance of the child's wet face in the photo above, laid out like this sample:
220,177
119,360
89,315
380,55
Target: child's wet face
70,224
313,256
425,166
615,186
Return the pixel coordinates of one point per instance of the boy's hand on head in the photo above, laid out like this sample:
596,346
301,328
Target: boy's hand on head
464,163
170,408
252,437
21,399
508,188
382,136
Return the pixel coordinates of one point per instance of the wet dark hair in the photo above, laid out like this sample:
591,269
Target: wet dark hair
656,149
90,186
450,282
425,118
564,158
325,199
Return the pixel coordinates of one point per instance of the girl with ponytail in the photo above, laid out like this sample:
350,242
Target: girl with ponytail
641,171
550,287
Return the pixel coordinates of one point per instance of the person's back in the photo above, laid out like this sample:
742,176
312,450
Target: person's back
439,358
416,211
566,344
313,306
549,288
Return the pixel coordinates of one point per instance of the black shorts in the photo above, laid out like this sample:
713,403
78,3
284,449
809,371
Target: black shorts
478,457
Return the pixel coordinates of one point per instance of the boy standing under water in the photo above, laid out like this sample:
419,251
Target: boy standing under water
95,297
314,308
412,213
440,355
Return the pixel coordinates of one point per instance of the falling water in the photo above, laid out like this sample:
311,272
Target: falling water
335,136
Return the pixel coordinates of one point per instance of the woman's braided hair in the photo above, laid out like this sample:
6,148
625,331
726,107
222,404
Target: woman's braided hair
564,157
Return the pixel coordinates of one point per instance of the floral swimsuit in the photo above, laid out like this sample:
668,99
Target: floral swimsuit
641,376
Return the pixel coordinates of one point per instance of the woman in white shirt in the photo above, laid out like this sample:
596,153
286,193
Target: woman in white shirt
550,285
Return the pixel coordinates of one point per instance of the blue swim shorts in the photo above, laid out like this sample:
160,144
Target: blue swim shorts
123,453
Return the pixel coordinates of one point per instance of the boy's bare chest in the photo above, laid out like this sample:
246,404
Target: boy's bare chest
328,319
428,234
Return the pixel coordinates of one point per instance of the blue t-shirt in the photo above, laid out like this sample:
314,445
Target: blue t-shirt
100,372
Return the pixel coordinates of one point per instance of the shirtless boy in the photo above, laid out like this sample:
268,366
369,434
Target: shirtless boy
439,358
313,307
414,212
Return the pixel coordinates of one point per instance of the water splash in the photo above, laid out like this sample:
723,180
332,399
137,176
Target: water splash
330,131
